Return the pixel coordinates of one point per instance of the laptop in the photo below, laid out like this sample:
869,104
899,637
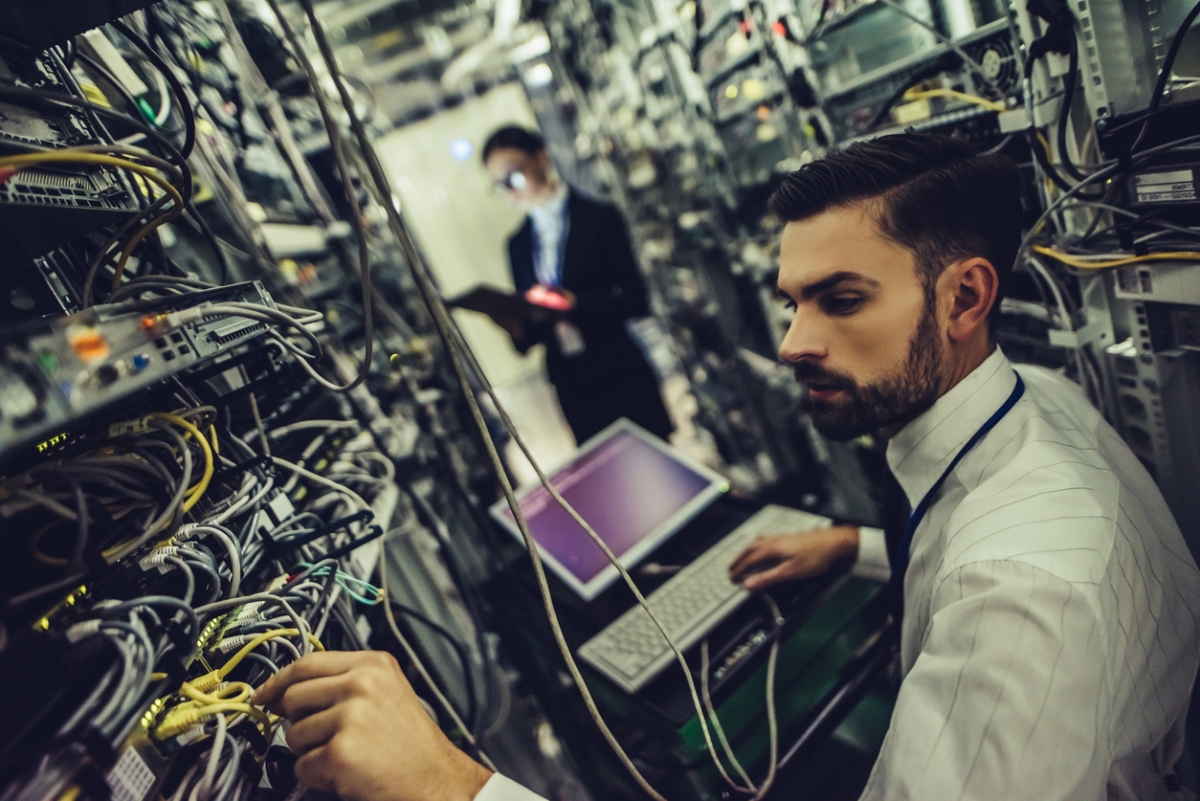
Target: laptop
632,488
636,492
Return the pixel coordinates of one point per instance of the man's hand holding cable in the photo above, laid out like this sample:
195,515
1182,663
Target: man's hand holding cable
360,731
771,560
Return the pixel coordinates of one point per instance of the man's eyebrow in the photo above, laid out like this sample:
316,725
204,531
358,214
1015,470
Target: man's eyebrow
829,282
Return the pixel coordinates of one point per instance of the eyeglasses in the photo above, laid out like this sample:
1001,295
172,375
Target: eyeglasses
515,179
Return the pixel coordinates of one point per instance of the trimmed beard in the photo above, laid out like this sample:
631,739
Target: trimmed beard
892,401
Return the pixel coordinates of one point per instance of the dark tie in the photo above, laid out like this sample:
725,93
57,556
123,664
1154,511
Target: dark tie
894,510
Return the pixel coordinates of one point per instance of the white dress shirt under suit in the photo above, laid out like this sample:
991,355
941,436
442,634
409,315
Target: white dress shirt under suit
550,225
1050,632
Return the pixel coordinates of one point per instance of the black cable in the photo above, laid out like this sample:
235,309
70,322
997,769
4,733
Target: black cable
326,591
441,533
343,170
81,535
950,62
98,70
189,117
70,52
213,242
459,648
1160,86
1070,80
1043,160
825,4
37,97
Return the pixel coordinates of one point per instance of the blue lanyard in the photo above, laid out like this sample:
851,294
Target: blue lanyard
902,555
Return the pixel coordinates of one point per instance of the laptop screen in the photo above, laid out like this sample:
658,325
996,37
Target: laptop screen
634,490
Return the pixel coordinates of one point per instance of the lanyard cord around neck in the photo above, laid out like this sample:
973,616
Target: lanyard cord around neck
901,557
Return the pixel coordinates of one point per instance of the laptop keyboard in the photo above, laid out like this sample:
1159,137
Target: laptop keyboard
632,651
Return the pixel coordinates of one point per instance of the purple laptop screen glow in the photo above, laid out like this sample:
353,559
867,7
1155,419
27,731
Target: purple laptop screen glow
624,488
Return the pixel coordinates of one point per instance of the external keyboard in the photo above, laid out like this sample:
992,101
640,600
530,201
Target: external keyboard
632,651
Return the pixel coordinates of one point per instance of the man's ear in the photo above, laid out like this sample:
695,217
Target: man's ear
972,286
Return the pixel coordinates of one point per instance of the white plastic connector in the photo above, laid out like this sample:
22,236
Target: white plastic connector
191,735
185,532
83,629
180,318
248,614
158,557
233,643
139,426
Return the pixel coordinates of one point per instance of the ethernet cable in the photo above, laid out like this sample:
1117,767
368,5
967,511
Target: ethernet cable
1105,262
445,328
915,94
350,584
1101,175
10,165
193,493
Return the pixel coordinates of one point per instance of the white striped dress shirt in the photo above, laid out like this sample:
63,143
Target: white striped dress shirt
1050,632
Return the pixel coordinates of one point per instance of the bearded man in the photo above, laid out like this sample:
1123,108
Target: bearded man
1048,599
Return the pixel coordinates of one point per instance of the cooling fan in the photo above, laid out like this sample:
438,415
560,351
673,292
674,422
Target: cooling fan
999,61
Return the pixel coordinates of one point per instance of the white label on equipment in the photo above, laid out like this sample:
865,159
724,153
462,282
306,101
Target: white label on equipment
1165,187
131,778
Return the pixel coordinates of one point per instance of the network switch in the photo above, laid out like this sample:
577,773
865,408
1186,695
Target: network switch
54,373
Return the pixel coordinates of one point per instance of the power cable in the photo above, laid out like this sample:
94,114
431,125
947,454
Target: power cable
356,218
1164,75
445,329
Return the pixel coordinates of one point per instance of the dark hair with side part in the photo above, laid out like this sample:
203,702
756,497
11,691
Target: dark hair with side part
935,196
515,137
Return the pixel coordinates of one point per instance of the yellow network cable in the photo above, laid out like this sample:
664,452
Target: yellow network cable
35,546
67,156
178,721
205,698
925,94
196,492
236,692
1103,263
208,681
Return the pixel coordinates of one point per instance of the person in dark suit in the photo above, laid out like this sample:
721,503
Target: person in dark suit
572,254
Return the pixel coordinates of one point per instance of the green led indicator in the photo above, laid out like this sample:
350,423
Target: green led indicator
49,360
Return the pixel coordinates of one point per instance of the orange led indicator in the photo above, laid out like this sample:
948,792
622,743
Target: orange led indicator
89,345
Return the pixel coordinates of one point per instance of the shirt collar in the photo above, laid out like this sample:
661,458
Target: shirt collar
552,208
921,450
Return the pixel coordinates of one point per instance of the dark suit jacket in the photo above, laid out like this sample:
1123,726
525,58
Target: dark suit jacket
610,379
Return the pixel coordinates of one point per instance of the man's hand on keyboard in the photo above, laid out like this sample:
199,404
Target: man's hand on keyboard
789,557
360,732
